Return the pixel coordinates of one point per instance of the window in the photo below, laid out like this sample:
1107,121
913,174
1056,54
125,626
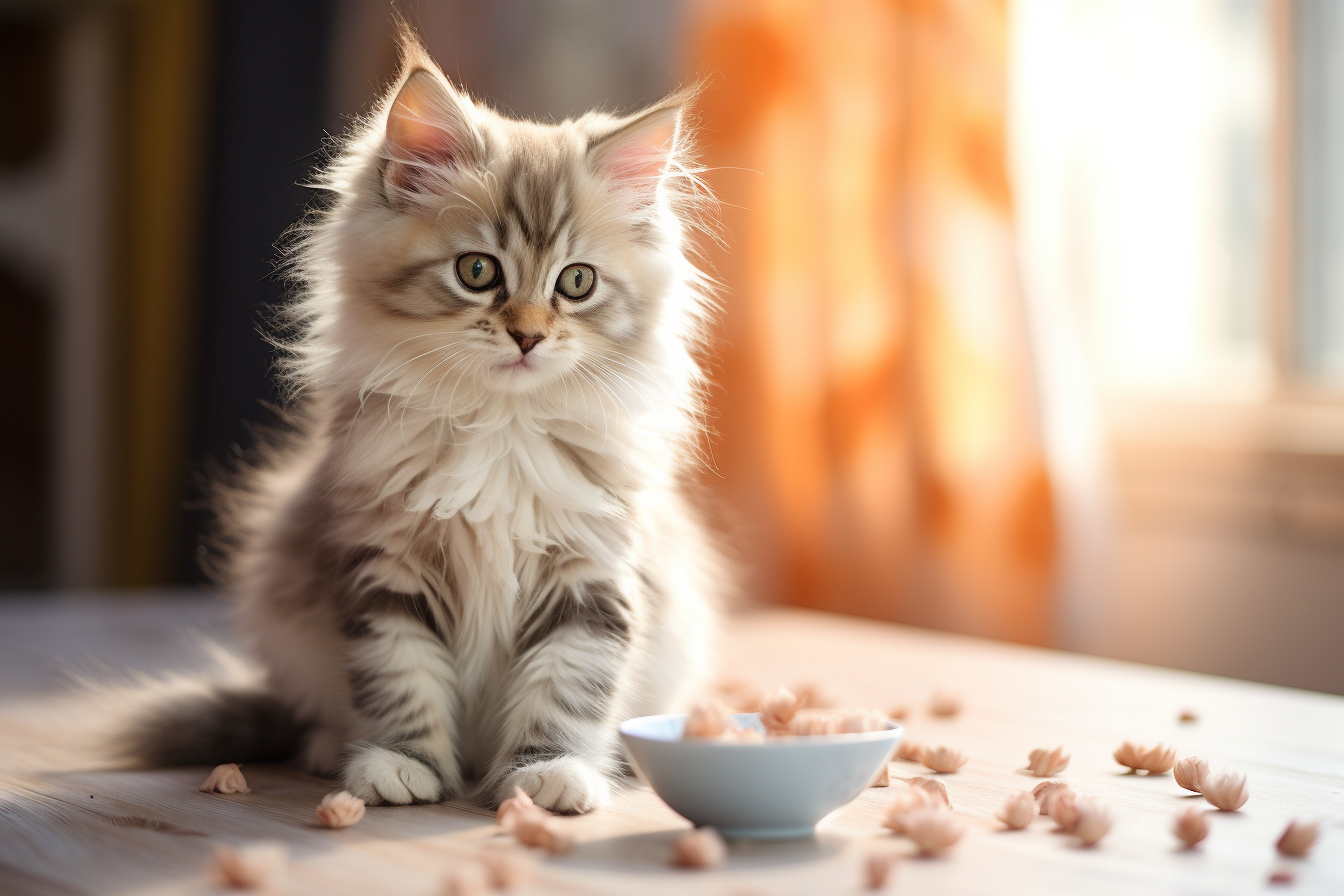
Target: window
1317,71
1180,174
1149,134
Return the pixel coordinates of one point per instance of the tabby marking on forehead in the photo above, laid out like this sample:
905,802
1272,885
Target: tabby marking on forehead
536,202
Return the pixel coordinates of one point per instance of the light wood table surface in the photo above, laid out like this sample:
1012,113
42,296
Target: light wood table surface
71,825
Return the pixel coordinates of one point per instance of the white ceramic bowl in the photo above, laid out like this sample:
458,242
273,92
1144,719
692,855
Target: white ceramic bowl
777,789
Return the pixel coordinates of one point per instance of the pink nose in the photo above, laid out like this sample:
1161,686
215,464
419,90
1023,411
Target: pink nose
525,341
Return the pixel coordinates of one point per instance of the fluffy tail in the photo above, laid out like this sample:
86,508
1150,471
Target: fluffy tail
218,725
225,714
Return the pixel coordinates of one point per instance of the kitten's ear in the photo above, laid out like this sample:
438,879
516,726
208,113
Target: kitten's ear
637,153
428,129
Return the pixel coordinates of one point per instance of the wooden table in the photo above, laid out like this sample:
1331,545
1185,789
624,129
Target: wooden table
68,824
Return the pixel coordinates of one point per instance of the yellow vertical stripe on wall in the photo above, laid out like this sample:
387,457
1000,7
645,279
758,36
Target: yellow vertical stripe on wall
161,167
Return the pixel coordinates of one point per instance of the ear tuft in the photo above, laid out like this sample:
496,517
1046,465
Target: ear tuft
428,130
637,153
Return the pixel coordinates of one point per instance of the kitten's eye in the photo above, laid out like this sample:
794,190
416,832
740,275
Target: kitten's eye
576,281
477,271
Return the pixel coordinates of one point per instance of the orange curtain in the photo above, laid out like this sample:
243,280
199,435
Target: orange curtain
876,420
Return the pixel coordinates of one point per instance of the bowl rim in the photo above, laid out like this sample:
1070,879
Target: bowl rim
894,729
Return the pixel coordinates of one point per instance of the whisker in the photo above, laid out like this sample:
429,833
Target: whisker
604,384
642,367
433,399
373,387
459,349
606,429
416,388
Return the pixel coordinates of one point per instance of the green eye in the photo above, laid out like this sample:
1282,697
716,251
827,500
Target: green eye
576,281
477,271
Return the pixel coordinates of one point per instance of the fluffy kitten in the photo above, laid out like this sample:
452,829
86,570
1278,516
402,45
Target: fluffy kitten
477,558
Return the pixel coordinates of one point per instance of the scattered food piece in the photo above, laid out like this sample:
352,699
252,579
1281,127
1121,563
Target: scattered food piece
1190,773
903,804
814,724
1191,827
910,751
1158,760
936,789
1298,838
898,712
1094,821
782,715
709,718
740,694
255,866
1064,810
1282,876
534,826
226,778
466,879
558,841
1130,755
945,704
340,809
525,823
1189,715
700,848
813,696
934,829
1155,760
779,709
811,723
1047,763
507,867
1227,790
944,759
882,778
861,721
877,869
1044,791
519,800
1018,811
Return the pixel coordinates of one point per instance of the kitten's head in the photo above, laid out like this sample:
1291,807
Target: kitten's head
471,255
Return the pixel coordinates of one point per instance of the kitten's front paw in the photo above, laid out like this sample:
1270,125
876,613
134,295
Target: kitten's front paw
383,777
568,785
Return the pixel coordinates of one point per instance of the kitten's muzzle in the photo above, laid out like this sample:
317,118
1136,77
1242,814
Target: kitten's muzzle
526,341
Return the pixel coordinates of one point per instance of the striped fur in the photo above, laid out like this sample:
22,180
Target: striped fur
473,561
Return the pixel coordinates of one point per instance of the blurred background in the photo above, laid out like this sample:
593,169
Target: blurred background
1033,322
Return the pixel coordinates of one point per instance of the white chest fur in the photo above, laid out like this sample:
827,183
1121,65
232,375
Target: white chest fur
518,492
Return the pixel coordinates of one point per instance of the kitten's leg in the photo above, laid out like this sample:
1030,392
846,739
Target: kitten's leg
563,694
403,687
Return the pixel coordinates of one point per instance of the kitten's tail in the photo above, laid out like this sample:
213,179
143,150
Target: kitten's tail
226,716
218,725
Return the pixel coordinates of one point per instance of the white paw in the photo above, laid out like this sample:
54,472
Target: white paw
382,777
567,784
